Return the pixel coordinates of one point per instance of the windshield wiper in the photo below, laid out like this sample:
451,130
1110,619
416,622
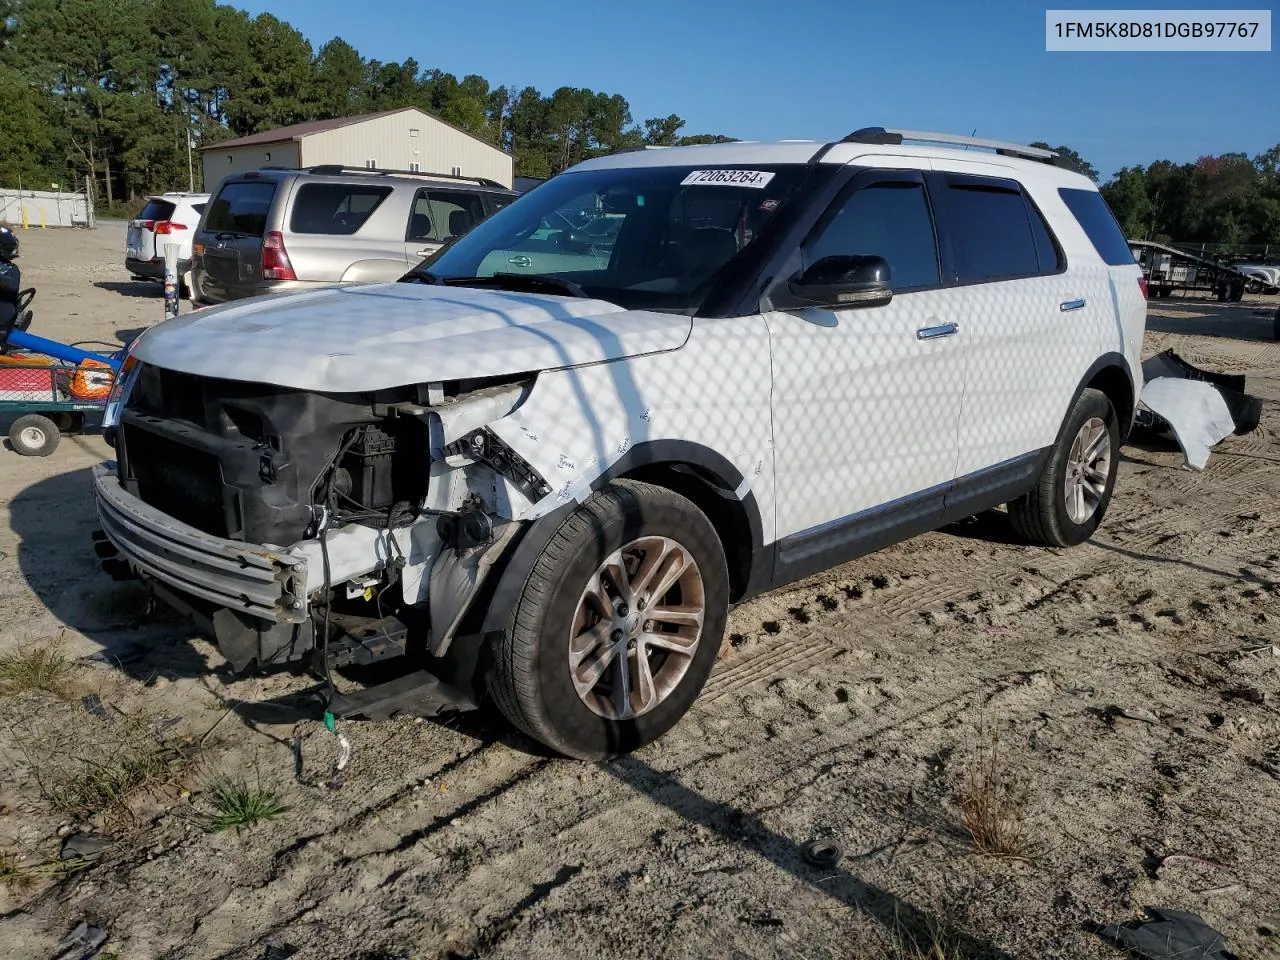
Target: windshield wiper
421,276
534,282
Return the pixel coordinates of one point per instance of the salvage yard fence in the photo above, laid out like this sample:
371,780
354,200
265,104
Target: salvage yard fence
45,208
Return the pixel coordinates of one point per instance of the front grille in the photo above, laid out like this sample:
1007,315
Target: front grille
168,393
176,479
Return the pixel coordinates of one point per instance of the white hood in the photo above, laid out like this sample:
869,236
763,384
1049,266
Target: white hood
373,336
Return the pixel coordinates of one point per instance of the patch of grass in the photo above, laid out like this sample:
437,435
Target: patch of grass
238,805
40,667
20,876
105,786
12,875
991,808
934,943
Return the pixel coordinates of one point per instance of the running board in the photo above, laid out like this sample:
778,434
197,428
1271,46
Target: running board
418,694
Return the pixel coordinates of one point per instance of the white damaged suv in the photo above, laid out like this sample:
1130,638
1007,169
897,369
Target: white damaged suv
542,466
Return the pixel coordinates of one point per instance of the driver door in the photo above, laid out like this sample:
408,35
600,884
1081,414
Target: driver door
866,400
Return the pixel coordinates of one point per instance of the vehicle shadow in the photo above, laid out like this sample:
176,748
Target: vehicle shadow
1234,322
132,288
904,923
53,520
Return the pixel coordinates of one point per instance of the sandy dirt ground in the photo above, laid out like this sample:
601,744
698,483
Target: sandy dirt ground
1110,713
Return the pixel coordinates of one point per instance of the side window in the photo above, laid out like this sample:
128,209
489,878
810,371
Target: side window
1048,253
992,233
439,215
335,208
889,220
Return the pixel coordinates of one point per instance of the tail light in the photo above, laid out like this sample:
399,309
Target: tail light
1142,284
275,259
147,224
166,227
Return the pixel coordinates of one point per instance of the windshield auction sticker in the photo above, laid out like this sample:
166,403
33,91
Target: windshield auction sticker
727,178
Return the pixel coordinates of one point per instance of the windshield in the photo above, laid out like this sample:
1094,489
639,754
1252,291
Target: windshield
640,237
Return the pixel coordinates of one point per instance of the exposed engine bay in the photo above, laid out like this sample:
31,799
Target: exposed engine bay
396,503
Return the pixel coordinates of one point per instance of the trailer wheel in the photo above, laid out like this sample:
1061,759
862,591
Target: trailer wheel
34,436
1236,293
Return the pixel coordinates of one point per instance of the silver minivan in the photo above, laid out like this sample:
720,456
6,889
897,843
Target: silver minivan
278,231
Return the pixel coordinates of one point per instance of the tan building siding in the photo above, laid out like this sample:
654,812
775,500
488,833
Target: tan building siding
221,163
398,142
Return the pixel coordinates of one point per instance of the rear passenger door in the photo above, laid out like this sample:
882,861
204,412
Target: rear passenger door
1023,326
438,216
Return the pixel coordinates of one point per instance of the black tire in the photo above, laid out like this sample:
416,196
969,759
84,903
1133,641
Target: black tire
34,436
1275,327
1236,293
532,682
1041,515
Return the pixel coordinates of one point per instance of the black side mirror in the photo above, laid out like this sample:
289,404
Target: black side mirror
838,283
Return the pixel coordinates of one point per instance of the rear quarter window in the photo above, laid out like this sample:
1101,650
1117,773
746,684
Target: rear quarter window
335,208
1096,219
241,207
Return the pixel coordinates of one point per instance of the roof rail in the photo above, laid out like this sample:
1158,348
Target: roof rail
333,169
881,135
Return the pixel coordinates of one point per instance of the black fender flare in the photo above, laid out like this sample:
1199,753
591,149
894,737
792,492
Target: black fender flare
1106,362
508,577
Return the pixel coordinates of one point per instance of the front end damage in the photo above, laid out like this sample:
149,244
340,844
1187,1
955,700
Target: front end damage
295,525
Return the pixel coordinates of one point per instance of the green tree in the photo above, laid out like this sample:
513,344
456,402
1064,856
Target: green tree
277,88
27,146
662,131
1072,159
338,86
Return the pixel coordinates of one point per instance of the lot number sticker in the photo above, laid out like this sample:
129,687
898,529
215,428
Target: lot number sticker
727,178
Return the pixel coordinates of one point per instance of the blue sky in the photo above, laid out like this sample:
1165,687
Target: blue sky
818,69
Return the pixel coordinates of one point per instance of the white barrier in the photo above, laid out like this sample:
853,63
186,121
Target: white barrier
45,208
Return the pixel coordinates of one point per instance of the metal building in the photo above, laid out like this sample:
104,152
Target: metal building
403,139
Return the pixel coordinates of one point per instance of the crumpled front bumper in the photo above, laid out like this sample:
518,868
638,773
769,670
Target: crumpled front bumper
247,578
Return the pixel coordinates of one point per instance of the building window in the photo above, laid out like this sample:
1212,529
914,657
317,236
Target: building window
268,156
413,132
415,167
230,158
457,171
371,164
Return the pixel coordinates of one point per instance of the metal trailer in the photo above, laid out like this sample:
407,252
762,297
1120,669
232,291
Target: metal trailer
1168,269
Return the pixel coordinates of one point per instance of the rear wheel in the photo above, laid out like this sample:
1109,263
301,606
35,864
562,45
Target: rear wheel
1071,496
34,435
618,624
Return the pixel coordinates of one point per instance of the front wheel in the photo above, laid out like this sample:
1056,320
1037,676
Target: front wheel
1069,499
618,625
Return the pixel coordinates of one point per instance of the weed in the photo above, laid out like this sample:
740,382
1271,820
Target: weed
106,786
935,943
238,805
35,668
991,808
11,874
19,876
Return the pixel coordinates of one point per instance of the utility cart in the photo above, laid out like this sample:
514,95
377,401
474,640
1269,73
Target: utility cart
49,388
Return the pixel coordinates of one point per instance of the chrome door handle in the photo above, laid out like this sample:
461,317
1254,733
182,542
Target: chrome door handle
1071,305
426,251
521,261
942,330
